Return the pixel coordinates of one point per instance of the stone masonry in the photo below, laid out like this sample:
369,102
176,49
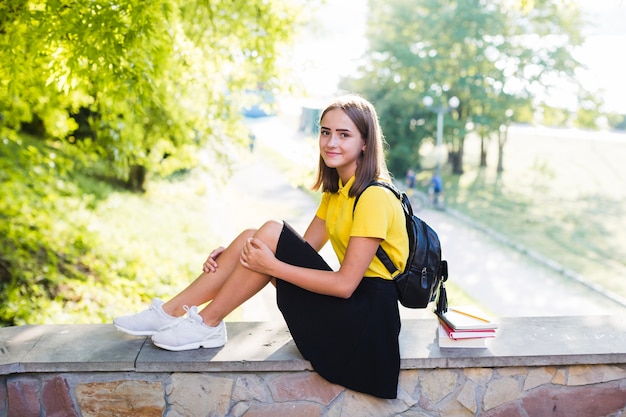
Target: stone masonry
535,367
567,391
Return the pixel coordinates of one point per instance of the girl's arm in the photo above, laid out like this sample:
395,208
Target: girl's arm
360,253
316,234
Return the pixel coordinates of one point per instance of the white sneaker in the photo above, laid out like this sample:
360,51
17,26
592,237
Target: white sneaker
191,333
147,322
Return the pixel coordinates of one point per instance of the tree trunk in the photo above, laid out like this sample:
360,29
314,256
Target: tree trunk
137,178
483,151
502,137
456,158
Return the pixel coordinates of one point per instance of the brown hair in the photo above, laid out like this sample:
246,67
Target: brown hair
371,164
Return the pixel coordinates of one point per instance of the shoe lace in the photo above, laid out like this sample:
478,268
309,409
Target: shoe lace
192,319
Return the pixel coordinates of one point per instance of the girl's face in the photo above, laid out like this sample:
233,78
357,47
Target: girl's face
340,143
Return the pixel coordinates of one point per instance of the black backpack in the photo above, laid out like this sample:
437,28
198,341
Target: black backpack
425,271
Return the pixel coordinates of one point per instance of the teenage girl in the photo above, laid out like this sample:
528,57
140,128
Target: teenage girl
345,322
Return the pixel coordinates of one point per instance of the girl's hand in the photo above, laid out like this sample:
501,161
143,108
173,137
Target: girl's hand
210,265
257,256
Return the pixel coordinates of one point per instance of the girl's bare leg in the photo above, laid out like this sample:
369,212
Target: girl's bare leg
242,283
208,284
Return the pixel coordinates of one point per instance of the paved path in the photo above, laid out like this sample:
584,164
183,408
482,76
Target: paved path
499,277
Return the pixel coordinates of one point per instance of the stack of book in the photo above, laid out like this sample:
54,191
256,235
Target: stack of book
465,327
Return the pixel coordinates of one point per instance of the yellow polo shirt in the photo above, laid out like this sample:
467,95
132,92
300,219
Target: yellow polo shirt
378,214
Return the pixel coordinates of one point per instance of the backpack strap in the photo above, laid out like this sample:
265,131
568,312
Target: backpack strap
380,252
384,258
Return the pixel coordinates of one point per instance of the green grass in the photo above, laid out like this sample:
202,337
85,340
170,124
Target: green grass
562,198
165,235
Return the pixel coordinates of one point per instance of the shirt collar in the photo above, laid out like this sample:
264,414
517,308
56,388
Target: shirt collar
345,189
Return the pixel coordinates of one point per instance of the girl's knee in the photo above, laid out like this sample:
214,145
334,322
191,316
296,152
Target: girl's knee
245,235
272,226
270,231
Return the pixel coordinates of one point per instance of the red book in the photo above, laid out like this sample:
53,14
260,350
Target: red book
445,342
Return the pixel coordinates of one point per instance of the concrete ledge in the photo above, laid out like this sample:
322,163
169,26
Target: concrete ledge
268,347
566,366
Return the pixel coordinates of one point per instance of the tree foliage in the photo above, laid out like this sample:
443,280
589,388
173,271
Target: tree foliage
120,89
144,79
493,56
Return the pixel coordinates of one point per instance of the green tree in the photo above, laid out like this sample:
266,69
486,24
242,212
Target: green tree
588,113
553,116
493,56
153,79
617,121
120,89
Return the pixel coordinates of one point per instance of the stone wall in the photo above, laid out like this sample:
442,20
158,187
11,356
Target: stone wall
535,367
568,391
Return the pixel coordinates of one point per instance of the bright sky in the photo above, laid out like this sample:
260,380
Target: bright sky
333,49
603,51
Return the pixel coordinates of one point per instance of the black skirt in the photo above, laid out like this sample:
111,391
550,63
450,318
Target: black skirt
351,342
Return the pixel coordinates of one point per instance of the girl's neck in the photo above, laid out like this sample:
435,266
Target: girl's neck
346,175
